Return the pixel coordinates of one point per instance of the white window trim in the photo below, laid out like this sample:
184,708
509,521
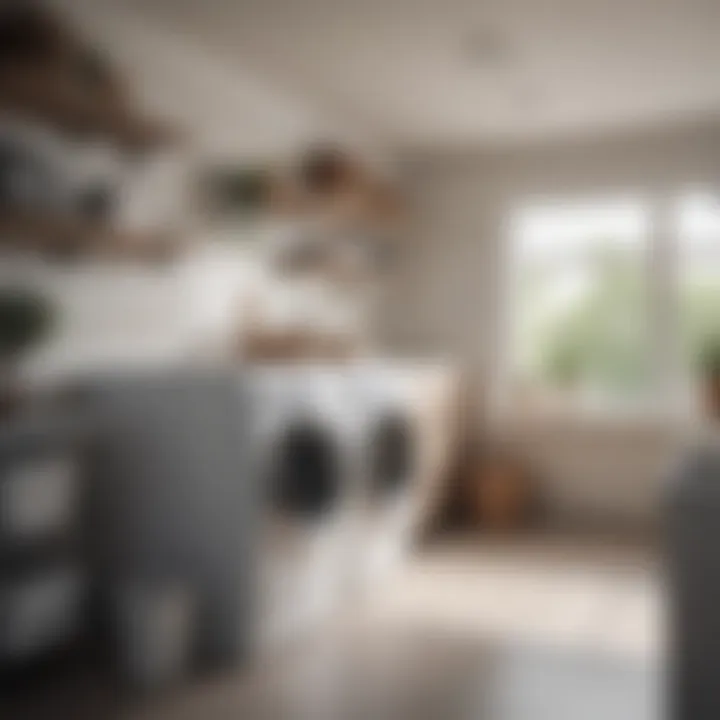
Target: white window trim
667,404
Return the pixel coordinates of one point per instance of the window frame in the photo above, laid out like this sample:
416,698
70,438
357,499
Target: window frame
668,391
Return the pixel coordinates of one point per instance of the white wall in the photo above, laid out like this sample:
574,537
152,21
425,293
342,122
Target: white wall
111,315
226,108
449,296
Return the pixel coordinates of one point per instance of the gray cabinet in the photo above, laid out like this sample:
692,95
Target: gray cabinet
693,543
42,580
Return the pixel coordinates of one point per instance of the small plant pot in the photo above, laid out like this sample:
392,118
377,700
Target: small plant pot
711,392
25,319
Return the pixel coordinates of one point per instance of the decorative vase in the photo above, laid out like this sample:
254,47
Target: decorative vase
501,495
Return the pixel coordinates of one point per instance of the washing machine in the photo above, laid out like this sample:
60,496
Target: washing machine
306,461
387,502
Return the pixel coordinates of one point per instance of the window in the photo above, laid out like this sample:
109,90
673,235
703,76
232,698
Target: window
580,309
698,221
587,324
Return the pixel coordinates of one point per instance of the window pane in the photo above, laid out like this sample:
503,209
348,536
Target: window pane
699,231
580,300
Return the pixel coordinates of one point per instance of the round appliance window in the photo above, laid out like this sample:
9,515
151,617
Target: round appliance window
307,480
391,454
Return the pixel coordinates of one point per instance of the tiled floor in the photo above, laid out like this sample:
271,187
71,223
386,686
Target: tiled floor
541,630
547,630
601,597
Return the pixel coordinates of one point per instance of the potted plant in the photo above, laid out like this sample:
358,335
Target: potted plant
709,366
240,192
25,319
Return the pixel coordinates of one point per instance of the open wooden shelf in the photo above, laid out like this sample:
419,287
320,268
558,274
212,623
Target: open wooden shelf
44,95
69,238
49,73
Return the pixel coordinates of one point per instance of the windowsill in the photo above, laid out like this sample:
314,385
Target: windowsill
607,420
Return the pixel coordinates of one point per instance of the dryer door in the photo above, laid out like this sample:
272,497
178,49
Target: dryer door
306,477
391,455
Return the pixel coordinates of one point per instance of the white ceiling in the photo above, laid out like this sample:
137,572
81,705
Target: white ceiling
434,73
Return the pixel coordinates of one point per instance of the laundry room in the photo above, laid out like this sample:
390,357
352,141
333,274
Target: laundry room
359,359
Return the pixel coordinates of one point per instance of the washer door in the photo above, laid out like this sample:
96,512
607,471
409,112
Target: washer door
306,481
391,451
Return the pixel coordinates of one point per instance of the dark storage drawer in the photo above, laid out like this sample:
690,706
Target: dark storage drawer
39,609
39,499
